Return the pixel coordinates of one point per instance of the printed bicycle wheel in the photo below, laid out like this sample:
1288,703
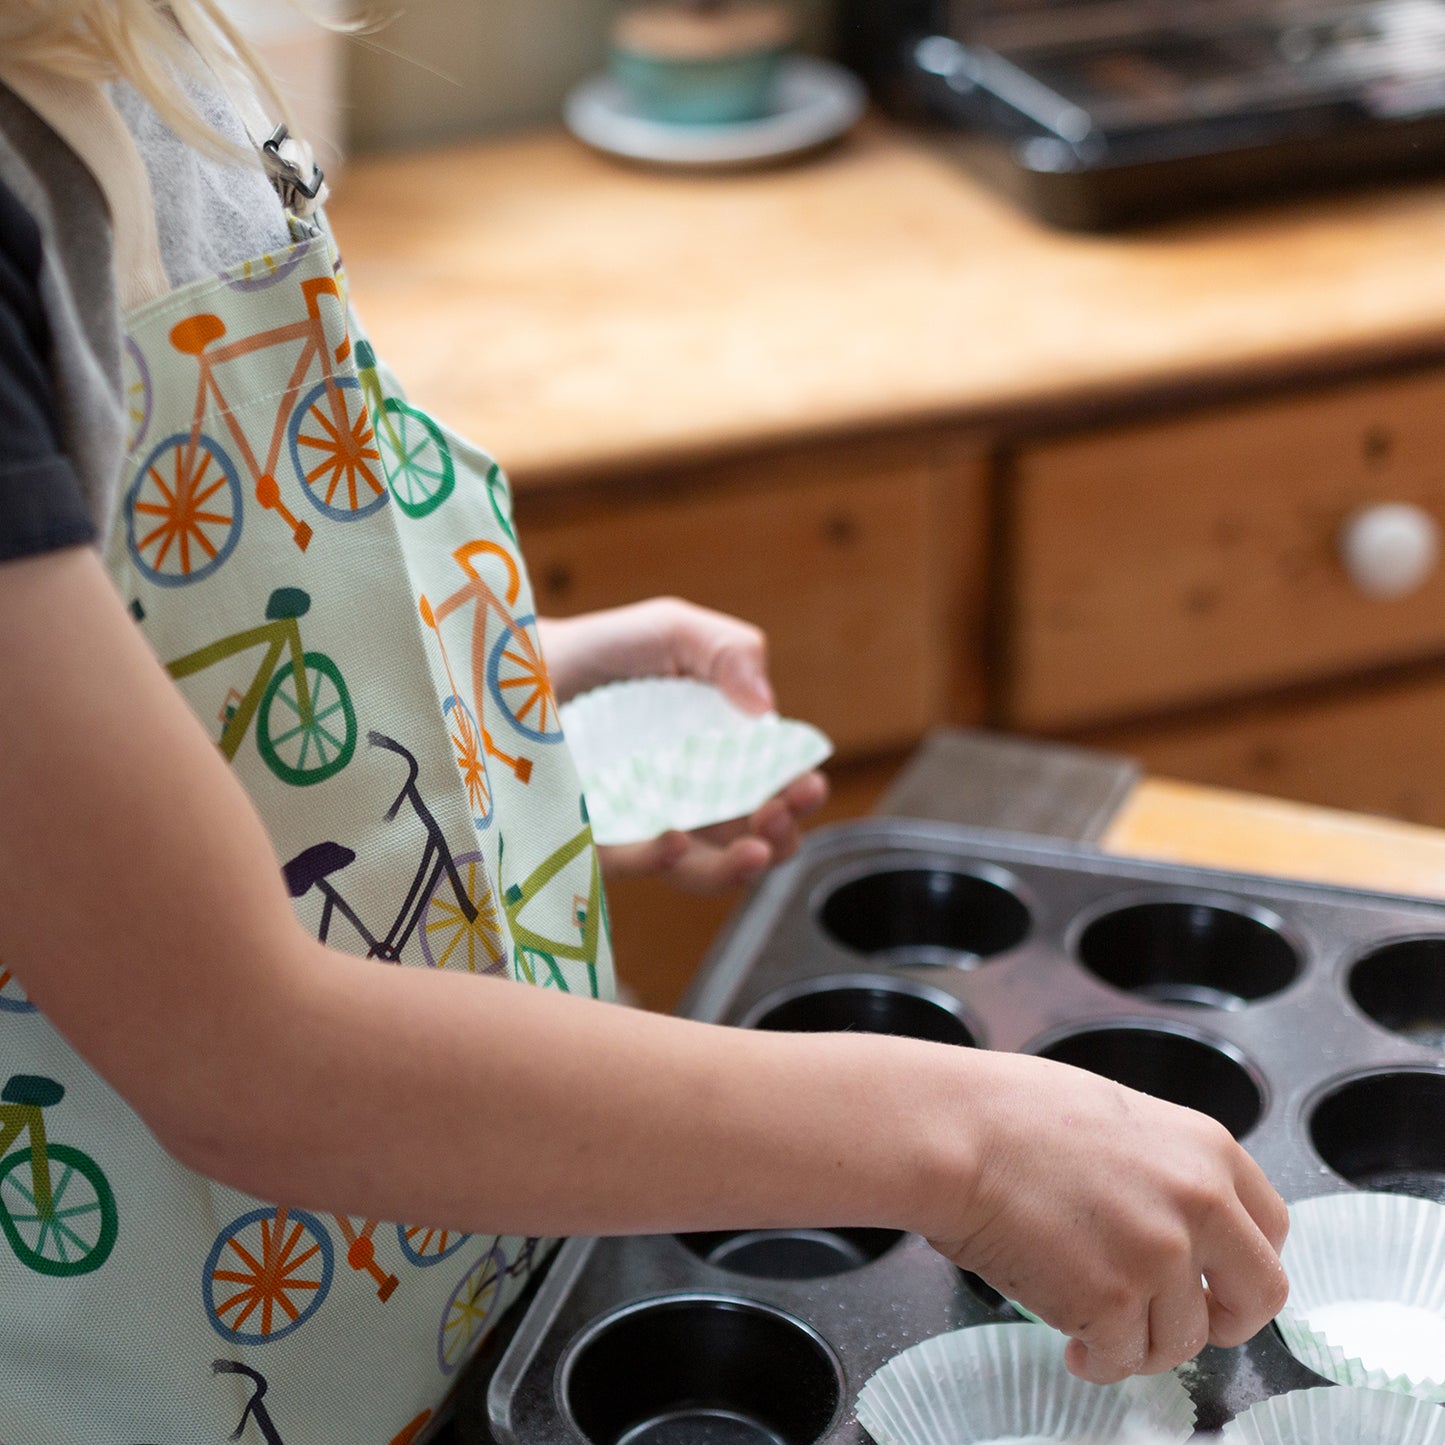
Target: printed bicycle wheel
568,885
183,511
448,937
415,458
526,1258
425,1246
539,969
265,270
305,750
517,678
470,1309
334,451
269,1270
471,757
136,376
499,494
12,996
78,1232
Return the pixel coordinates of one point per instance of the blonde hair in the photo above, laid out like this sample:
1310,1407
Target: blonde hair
145,42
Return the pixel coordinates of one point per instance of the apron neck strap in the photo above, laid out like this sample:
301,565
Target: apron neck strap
83,116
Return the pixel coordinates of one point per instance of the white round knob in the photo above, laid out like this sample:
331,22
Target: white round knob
1390,549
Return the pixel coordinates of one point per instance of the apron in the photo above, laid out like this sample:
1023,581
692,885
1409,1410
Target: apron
333,580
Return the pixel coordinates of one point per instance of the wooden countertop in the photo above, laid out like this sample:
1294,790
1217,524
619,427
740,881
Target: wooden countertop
1214,828
577,316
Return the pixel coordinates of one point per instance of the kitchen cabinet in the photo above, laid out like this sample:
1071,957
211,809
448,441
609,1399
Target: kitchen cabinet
864,563
962,469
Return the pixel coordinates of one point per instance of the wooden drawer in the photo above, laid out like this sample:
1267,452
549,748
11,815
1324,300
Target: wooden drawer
1163,564
849,560
1369,750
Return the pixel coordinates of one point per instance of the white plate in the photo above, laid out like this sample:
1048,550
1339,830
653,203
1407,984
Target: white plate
817,101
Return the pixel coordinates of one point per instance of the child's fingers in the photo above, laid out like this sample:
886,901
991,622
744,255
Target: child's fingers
1112,1352
632,860
1247,1283
775,824
1179,1324
805,795
740,671
725,855
705,869
1262,1201
1174,1327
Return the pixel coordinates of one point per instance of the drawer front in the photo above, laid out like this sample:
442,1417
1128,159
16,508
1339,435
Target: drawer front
1368,750
836,572
1176,562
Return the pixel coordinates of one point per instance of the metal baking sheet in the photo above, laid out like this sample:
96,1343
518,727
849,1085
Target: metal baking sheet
1309,1019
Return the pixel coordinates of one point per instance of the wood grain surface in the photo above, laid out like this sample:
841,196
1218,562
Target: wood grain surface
1175,561
1213,828
574,315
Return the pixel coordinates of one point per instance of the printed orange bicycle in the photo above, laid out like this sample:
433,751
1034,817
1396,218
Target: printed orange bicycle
510,669
183,510
270,1270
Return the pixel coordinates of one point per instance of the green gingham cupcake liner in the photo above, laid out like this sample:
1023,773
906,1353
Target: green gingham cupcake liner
661,753
1338,1415
1367,1291
994,1383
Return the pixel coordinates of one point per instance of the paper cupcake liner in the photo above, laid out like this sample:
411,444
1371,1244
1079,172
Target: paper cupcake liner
610,723
1338,1415
661,753
1367,1291
994,1383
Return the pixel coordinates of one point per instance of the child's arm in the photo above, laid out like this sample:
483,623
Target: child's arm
665,637
142,908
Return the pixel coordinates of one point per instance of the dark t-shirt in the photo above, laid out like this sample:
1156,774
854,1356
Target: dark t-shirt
42,506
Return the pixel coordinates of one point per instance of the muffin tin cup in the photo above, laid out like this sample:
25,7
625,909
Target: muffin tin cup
1207,953
1338,1415
791,1253
1401,986
1008,1382
926,914
864,1003
696,1368
1381,1130
1367,1292
1169,1061
1314,1057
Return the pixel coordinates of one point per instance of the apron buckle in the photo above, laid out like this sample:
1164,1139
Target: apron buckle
297,193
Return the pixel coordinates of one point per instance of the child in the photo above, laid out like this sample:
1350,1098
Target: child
306,569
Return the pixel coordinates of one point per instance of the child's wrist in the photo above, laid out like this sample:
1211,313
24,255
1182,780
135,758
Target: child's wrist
922,1123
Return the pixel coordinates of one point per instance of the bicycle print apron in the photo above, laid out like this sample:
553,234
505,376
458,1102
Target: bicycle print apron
334,583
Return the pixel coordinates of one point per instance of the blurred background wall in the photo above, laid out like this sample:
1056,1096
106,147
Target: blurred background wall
448,68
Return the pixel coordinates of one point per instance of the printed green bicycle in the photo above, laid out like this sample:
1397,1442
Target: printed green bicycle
305,723
56,1208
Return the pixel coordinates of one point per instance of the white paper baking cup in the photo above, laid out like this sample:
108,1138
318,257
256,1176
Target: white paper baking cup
657,753
1338,1415
1367,1291
995,1383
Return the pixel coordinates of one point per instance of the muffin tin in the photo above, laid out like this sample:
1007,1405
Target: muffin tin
1309,1020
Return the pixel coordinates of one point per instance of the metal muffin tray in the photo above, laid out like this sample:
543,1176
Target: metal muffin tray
1308,1020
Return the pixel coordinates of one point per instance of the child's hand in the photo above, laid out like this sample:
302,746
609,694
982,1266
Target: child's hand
1100,1208
728,855
665,637
662,637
